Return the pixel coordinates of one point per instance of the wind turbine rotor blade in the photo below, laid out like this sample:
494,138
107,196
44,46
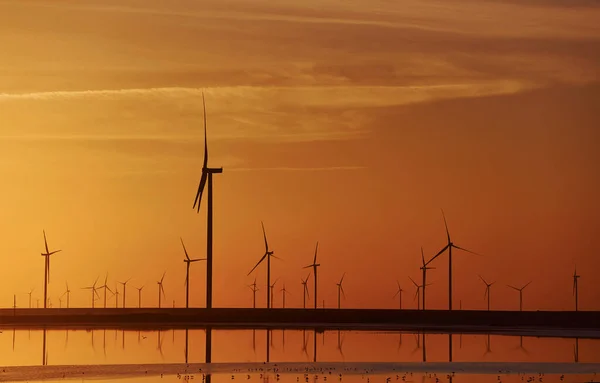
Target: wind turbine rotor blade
184,249
415,283
468,251
45,242
395,295
446,225
258,263
265,237
307,267
54,252
316,249
200,190
343,292
483,280
162,278
342,279
522,288
422,257
276,257
438,254
197,260
513,287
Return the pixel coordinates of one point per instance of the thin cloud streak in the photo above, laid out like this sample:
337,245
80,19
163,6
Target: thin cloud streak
292,169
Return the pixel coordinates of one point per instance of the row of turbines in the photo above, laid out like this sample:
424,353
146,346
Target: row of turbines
206,181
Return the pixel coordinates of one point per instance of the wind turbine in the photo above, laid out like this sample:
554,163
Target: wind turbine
399,294
254,290
449,247
139,289
67,293
207,175
188,261
284,291
305,290
268,254
30,292
161,288
47,254
105,287
124,290
424,268
576,288
520,294
417,294
116,294
314,267
487,291
272,288
340,290
93,289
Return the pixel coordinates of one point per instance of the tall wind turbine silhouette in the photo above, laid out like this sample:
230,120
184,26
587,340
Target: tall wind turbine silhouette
575,288
161,289
207,176
305,290
105,287
424,269
94,292
139,289
254,290
188,261
314,267
340,291
487,291
449,247
47,255
520,294
399,294
124,291
116,295
268,254
67,293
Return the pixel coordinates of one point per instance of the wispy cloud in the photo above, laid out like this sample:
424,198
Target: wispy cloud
298,169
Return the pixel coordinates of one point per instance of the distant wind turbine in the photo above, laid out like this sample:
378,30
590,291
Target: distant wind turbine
305,290
283,292
341,290
207,174
576,288
520,294
30,292
272,288
418,292
399,294
314,267
116,294
67,293
268,254
139,289
105,287
47,254
188,261
93,290
424,269
254,290
124,290
449,247
161,288
487,291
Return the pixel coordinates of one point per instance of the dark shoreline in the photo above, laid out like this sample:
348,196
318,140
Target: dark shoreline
365,319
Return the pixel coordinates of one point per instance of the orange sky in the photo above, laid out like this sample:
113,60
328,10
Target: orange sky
341,122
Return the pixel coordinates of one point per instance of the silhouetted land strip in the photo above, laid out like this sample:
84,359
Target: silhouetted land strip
455,321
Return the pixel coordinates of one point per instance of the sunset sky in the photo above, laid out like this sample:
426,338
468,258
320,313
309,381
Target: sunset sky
351,123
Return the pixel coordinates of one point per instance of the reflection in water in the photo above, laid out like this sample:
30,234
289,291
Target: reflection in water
351,346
